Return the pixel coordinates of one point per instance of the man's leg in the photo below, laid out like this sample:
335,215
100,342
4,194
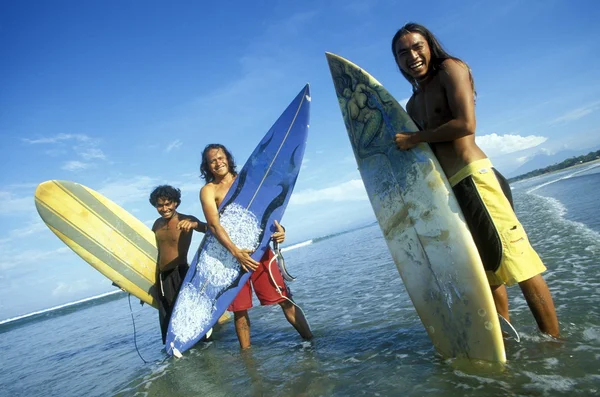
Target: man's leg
500,300
536,293
242,328
296,318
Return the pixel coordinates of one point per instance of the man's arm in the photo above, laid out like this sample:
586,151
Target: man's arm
279,235
456,81
211,213
191,222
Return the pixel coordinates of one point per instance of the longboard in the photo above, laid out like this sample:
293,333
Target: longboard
103,234
257,197
420,219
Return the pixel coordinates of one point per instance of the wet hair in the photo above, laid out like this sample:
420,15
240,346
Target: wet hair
205,172
166,192
438,54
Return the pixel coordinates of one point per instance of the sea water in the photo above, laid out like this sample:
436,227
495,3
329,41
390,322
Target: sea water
368,338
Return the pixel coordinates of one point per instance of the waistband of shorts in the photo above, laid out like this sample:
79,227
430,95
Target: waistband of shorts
164,273
468,170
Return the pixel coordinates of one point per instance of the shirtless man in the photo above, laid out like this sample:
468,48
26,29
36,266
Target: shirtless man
443,105
173,233
218,169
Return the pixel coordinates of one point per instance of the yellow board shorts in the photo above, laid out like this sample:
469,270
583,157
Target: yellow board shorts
486,201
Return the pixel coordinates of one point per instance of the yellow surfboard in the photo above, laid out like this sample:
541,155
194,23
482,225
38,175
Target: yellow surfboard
106,236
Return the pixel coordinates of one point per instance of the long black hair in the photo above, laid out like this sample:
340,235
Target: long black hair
205,172
438,54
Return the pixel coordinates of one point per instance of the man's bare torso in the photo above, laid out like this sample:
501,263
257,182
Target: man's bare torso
173,243
430,109
220,190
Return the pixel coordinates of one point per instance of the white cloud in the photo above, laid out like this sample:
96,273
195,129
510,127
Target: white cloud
91,153
55,152
578,113
33,227
129,190
403,102
70,288
58,138
12,204
521,160
27,257
75,165
494,144
193,187
352,190
173,145
85,147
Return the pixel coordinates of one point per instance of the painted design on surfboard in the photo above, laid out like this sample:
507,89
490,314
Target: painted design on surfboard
409,193
371,116
246,218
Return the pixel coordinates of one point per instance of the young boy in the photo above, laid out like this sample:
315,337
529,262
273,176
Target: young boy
173,233
443,105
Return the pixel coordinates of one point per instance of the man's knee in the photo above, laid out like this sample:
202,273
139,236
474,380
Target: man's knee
286,304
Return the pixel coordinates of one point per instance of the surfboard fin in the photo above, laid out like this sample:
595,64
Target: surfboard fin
508,328
281,263
176,353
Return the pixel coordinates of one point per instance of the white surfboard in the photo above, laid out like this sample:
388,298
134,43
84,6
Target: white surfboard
421,221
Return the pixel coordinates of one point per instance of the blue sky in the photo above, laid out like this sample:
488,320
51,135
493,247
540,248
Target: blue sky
123,95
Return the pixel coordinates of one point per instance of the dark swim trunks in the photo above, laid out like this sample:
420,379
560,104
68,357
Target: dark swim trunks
169,282
486,202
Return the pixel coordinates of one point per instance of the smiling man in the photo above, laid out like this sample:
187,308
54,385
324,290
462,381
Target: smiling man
219,170
443,106
173,233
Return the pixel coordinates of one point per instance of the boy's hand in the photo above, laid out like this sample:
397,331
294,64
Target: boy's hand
187,225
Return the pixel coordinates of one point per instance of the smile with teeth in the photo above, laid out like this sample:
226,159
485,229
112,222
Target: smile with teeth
416,65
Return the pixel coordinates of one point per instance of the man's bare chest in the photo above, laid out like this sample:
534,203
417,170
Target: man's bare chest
430,108
168,235
220,193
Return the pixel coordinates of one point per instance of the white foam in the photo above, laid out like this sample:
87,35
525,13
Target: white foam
558,211
8,320
570,175
549,383
295,246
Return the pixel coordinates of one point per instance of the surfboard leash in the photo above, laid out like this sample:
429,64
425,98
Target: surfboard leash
134,330
278,288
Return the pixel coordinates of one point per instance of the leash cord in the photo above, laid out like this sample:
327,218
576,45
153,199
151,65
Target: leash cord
279,289
134,331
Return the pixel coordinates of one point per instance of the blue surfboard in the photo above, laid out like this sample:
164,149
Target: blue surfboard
257,197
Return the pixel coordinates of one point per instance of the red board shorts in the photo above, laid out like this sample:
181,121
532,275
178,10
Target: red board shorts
263,285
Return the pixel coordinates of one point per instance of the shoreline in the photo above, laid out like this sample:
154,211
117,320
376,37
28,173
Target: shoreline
575,166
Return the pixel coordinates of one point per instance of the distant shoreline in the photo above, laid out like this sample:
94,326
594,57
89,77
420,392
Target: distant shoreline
590,158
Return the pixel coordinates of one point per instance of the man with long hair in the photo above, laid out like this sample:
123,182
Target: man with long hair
443,106
219,170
